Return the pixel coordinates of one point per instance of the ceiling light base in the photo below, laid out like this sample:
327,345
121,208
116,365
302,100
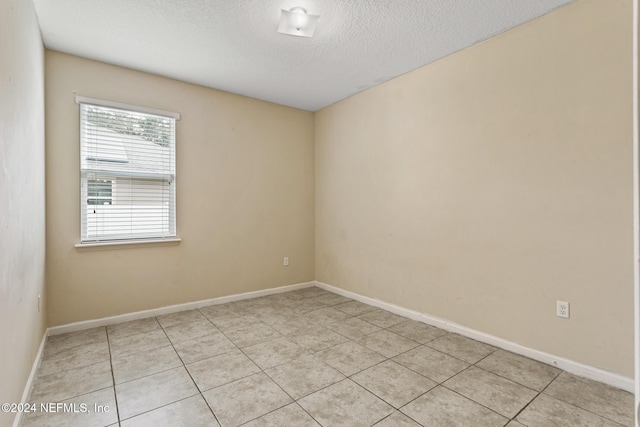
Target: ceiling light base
297,22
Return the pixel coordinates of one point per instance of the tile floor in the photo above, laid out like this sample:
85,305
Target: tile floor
304,358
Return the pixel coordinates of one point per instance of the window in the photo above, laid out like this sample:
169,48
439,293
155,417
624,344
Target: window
127,162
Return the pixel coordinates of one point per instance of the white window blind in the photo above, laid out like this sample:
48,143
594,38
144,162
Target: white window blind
127,159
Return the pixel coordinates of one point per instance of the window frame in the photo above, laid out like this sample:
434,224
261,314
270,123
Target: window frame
87,174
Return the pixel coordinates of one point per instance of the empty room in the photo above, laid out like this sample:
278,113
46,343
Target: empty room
318,213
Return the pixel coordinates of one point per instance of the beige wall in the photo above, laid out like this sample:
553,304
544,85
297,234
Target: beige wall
480,189
245,181
488,185
22,194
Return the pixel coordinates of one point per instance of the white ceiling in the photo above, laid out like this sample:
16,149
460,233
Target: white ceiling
233,45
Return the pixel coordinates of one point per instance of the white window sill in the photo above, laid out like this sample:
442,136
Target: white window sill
114,244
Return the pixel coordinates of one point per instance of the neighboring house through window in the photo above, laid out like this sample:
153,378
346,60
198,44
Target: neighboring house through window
127,158
99,191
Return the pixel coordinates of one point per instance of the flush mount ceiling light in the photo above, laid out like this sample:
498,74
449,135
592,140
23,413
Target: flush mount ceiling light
297,22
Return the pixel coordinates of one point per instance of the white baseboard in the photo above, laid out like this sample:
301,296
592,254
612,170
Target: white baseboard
112,320
105,321
29,385
571,366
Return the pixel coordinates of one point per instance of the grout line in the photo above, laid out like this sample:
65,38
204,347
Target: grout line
263,371
508,379
485,370
163,370
477,403
161,406
305,411
571,404
113,378
537,395
184,366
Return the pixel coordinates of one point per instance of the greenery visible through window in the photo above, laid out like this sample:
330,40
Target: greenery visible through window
150,128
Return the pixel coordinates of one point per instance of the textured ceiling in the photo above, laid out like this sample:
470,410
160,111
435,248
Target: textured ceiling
234,45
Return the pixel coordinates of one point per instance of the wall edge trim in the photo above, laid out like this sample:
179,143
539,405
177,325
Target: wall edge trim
577,368
112,320
29,384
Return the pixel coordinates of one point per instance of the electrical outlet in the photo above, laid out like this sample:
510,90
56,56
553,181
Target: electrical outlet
286,261
562,309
